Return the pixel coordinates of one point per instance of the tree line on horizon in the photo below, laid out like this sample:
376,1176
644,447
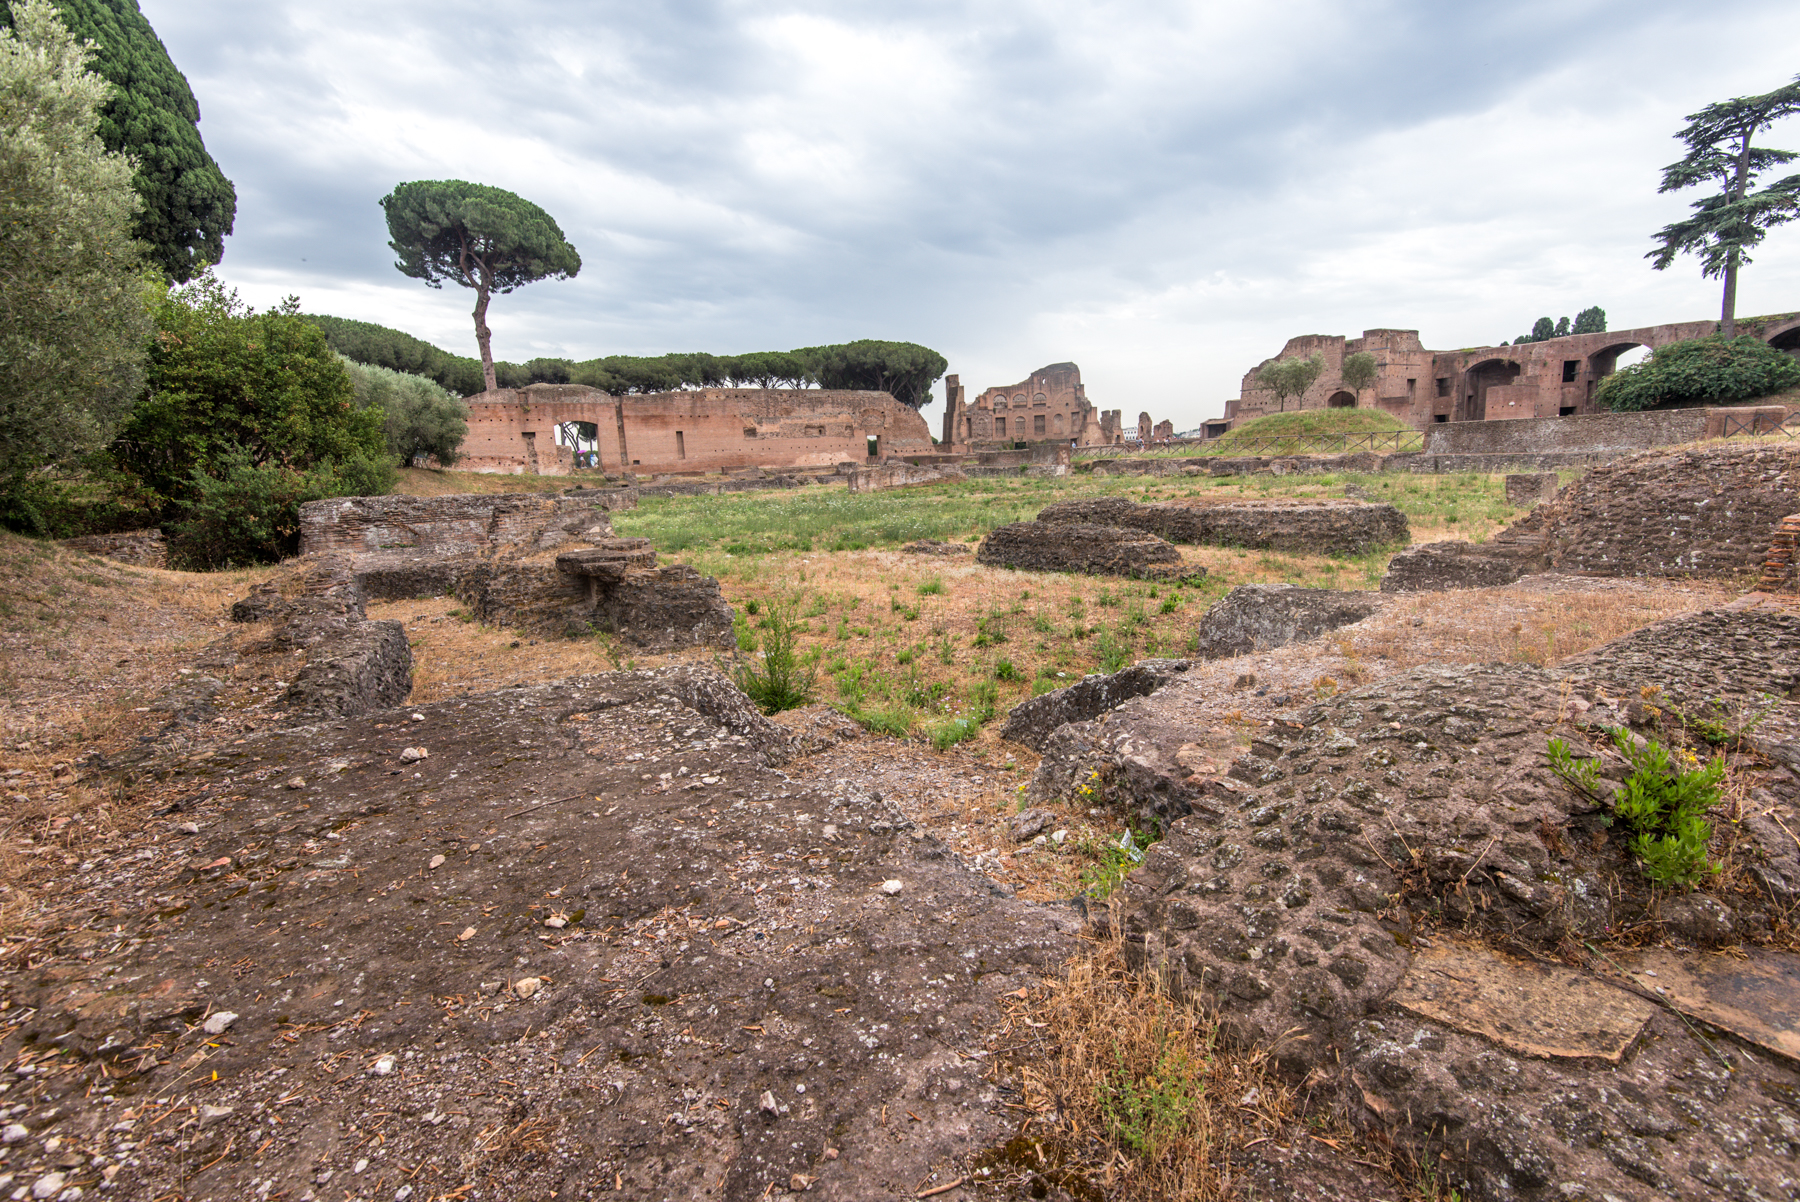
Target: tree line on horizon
904,370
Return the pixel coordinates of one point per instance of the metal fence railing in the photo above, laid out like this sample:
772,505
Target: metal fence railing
1758,425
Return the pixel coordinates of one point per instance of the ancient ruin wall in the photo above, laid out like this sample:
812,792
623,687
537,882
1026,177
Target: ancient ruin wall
450,525
1704,511
705,430
1554,378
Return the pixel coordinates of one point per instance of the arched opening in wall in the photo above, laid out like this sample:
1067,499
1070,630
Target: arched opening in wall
1341,400
582,439
1604,362
874,445
1788,340
1477,380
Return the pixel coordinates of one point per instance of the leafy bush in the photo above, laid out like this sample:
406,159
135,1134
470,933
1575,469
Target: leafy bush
1663,803
224,379
419,416
73,308
243,512
782,681
1710,370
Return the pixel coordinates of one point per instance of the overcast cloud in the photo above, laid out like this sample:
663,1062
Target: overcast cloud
1162,192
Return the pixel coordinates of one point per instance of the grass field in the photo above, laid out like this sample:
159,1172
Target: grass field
936,645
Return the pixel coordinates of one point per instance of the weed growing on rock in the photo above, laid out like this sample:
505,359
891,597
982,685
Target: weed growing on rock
1663,803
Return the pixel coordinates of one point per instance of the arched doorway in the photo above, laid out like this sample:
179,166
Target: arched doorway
1472,405
1788,340
1341,400
1604,362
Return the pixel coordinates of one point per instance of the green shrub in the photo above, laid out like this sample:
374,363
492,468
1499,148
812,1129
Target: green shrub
931,588
242,512
781,681
1004,670
1663,804
419,416
1710,370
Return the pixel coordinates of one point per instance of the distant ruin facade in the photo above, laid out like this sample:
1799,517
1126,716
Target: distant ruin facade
553,428
1049,404
1553,378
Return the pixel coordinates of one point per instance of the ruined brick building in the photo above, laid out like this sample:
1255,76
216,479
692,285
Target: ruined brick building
546,427
1554,378
1049,404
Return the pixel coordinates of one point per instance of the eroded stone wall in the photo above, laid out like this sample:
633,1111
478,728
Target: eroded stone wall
456,524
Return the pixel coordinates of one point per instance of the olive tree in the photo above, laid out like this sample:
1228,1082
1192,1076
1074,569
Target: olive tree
486,239
1359,373
1290,377
74,308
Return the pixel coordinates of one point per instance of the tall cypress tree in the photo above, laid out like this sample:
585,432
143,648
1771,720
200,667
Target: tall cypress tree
189,205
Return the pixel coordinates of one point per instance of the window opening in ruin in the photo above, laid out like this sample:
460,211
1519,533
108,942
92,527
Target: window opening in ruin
1037,424
1571,369
1442,417
749,431
874,445
999,427
680,446
1412,386
1443,385
1566,411
1342,400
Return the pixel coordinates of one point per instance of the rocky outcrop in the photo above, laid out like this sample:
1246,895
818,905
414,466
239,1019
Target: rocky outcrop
1330,527
351,665
1315,890
1708,511
1082,547
1259,617
1031,722
1433,567
609,895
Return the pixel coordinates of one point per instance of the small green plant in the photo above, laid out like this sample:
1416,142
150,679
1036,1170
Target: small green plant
931,588
1106,598
781,681
752,607
1146,1106
984,700
1114,653
1170,604
894,720
990,631
1718,726
1004,670
1043,625
1113,862
1663,803
950,732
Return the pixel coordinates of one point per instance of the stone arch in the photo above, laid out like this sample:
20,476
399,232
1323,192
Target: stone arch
1341,399
1786,338
1605,361
1471,406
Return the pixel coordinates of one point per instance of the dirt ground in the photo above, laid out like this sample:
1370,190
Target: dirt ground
732,1003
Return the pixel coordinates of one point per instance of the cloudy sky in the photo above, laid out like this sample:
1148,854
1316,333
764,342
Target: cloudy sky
1162,192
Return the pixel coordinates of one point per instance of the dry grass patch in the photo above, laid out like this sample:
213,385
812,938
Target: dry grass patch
1129,1092
1541,620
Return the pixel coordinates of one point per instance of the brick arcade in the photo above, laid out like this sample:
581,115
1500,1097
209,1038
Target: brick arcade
1554,378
